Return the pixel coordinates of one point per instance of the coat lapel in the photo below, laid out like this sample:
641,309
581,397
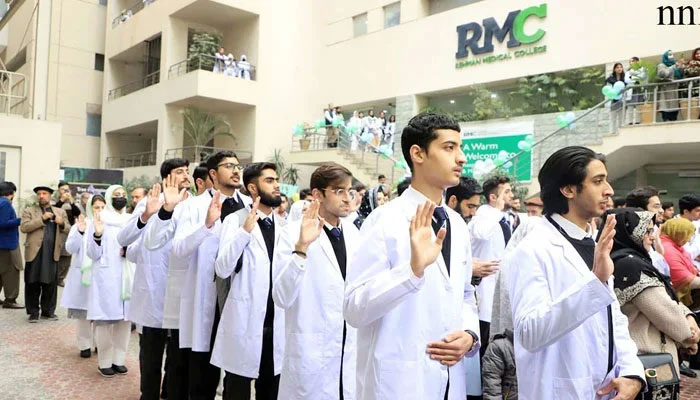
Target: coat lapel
328,249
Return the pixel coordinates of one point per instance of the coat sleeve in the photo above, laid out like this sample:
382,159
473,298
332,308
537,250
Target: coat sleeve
74,241
94,250
485,223
664,313
132,251
289,270
374,287
190,235
470,312
234,240
162,229
492,370
627,360
133,229
66,223
539,320
8,218
30,223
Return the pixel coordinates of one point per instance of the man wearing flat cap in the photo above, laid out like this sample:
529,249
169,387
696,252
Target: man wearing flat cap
47,228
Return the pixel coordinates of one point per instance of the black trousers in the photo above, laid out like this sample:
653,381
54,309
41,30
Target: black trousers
178,368
237,387
204,377
152,344
485,331
44,294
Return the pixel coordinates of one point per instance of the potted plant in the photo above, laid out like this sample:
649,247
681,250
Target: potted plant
304,130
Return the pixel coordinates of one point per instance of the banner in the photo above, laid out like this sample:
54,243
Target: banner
498,151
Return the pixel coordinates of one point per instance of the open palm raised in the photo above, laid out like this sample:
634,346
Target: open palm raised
424,250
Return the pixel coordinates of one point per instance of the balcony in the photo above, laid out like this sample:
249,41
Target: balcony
209,63
125,15
131,160
148,80
197,154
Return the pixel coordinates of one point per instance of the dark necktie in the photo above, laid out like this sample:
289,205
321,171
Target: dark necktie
336,232
440,216
266,223
505,227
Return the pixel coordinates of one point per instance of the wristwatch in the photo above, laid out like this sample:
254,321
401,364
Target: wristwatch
474,342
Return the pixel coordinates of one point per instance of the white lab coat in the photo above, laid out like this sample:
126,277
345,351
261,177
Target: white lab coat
561,321
105,299
487,244
198,301
75,294
238,344
312,292
244,68
397,314
151,274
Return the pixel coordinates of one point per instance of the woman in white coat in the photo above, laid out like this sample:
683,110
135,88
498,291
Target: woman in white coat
111,284
231,67
244,68
75,296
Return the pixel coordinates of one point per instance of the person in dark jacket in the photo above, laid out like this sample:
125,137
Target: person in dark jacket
500,381
10,254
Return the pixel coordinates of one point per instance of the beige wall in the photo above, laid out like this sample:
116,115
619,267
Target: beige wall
39,163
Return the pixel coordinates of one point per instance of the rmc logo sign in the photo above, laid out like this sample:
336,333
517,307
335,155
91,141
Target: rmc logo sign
469,35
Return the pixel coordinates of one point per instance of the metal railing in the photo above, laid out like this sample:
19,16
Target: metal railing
130,12
13,93
367,156
209,63
639,105
196,154
131,160
148,80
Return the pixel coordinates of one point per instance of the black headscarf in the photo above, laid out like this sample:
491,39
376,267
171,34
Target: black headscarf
632,260
369,203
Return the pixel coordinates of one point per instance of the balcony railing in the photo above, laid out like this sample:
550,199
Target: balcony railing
209,63
197,154
13,93
146,81
132,160
130,12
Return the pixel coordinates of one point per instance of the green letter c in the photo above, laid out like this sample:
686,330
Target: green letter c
519,24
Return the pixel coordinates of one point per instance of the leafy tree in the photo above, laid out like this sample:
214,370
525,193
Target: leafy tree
202,127
202,48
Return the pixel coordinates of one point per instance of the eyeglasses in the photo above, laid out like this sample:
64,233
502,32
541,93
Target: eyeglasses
230,165
344,192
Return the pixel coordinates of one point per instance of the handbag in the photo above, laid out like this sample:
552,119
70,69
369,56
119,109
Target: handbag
663,382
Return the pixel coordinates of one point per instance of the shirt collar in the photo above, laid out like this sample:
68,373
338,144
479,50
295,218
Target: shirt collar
420,197
330,227
572,229
262,215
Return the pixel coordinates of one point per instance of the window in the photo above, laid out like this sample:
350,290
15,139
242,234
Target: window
392,15
103,2
438,6
99,62
359,24
94,124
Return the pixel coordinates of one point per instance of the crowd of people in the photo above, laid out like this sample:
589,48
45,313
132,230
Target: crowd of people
669,93
381,129
445,289
227,65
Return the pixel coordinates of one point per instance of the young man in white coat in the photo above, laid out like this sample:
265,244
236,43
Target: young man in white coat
200,224
310,269
408,289
157,235
571,340
490,232
249,341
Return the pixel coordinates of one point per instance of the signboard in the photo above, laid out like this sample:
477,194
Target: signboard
288,189
95,181
470,35
488,152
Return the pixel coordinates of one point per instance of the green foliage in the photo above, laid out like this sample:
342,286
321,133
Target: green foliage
140,181
202,127
287,174
204,44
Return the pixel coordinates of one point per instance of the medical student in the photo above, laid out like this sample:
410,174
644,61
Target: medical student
110,289
311,263
249,341
571,339
408,289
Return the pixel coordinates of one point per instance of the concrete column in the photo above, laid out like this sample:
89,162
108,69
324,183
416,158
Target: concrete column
41,60
641,177
406,108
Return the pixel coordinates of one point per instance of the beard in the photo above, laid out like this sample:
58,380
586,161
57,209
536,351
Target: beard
270,200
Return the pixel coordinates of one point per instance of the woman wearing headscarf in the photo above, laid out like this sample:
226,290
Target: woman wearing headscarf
369,202
110,290
658,322
244,68
668,71
77,290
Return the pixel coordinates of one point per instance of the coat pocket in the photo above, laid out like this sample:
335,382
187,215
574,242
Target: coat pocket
398,379
573,389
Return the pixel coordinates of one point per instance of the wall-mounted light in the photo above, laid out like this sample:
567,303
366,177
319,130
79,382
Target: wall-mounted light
452,101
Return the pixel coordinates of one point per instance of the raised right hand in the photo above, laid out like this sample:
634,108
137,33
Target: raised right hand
81,223
153,203
603,265
424,250
172,194
310,228
252,217
98,224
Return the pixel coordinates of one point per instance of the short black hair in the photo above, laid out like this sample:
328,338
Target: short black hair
567,166
420,131
466,189
170,164
403,185
688,202
618,202
304,193
357,185
62,183
665,205
254,170
7,188
639,197
635,58
381,176
214,160
492,183
201,172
